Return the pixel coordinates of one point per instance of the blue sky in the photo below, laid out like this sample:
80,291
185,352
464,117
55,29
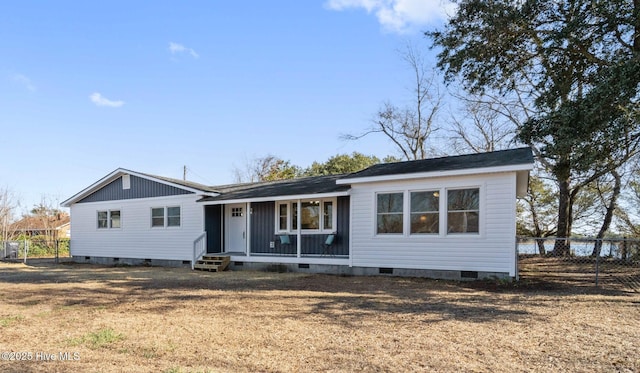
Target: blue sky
87,87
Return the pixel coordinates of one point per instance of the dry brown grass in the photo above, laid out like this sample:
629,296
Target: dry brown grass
175,320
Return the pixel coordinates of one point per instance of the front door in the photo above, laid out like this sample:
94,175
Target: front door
236,228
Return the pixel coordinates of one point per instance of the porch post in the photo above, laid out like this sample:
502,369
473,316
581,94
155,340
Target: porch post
299,232
248,217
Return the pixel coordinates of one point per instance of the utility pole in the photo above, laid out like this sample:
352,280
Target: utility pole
184,173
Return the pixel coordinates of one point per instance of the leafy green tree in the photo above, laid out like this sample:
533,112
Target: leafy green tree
342,164
577,63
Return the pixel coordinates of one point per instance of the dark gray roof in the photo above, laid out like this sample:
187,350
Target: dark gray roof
292,187
452,163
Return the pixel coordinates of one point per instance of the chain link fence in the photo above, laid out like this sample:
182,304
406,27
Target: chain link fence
611,263
34,247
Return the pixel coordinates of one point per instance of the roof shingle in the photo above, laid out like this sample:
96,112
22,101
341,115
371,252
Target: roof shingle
451,163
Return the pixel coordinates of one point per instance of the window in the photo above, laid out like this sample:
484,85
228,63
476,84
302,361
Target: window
103,218
315,215
389,213
114,219
463,210
236,212
109,219
168,215
282,216
157,217
173,216
425,217
310,218
328,215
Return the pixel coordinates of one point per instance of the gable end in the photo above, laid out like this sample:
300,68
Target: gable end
138,188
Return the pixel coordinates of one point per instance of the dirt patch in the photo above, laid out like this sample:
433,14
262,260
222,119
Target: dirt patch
151,319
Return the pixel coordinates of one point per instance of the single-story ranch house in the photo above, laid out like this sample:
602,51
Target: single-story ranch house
451,217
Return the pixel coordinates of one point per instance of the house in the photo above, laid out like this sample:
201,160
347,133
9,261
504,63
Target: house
50,227
450,217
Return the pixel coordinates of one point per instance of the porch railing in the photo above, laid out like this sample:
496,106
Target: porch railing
199,248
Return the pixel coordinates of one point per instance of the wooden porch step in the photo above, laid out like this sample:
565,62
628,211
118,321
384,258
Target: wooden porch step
212,263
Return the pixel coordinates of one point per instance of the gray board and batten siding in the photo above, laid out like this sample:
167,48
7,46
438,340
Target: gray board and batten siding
139,188
263,227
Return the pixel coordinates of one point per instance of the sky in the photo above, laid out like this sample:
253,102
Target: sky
153,86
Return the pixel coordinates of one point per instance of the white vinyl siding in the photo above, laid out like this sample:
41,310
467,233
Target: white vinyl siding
136,238
489,250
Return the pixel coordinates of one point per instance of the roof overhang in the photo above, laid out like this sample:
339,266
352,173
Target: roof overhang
276,198
424,175
118,173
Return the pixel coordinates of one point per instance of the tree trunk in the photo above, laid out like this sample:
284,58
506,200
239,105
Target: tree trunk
608,215
561,247
541,249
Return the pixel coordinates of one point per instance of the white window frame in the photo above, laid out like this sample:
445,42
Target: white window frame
443,213
480,211
438,212
165,217
287,223
321,229
403,213
109,220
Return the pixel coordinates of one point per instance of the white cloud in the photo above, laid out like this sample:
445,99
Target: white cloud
99,100
400,16
176,48
25,81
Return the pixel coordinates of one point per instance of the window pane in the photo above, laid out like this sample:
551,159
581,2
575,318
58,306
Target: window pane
390,223
173,216
424,212
282,223
390,202
157,217
310,216
425,201
462,222
463,211
115,218
425,223
328,215
102,219
463,200
390,213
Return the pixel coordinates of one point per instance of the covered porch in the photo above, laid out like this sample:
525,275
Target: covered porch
270,229
290,221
